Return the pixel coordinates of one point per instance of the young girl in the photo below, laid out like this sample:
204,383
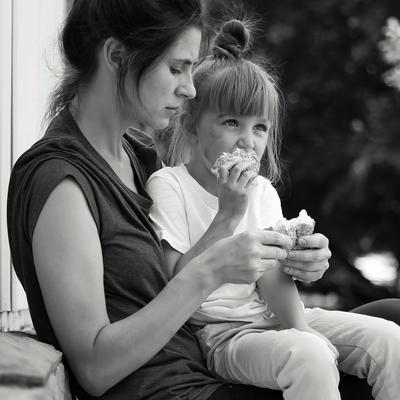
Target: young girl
255,333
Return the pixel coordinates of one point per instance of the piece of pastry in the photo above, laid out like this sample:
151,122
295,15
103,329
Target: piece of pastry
295,228
239,155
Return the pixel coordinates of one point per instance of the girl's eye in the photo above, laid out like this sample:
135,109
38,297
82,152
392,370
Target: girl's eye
231,122
174,71
261,127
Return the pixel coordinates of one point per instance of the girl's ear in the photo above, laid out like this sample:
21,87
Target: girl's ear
113,54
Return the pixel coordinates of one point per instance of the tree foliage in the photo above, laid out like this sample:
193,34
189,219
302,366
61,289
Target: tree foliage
341,144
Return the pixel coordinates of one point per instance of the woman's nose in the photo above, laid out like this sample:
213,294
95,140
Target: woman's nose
186,89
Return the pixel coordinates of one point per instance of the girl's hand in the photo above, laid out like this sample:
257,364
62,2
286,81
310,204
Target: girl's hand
245,257
234,186
311,262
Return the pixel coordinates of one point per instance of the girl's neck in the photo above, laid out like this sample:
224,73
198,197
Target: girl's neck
203,176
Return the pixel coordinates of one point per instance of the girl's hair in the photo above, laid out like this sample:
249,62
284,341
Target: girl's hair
229,82
146,28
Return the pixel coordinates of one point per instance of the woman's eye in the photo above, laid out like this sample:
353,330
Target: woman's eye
231,122
261,127
174,71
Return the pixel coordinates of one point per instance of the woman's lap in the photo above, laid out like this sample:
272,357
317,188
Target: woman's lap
387,308
244,392
349,385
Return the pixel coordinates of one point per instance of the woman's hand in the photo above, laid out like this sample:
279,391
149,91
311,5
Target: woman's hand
311,262
245,257
234,186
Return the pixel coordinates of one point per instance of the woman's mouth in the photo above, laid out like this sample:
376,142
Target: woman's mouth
172,110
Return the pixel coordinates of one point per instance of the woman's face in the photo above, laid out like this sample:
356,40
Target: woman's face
163,87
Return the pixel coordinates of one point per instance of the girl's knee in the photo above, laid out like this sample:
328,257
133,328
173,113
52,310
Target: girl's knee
389,329
387,339
310,352
384,335
309,357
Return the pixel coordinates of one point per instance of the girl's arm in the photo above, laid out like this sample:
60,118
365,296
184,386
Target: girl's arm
68,261
276,287
280,293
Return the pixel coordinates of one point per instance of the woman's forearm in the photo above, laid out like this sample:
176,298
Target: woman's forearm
220,228
124,346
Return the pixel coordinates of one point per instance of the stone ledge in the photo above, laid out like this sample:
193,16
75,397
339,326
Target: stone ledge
30,369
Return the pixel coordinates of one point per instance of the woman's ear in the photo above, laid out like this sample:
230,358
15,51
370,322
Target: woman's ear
113,53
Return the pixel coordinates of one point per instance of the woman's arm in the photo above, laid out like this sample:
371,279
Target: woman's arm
69,265
68,260
221,227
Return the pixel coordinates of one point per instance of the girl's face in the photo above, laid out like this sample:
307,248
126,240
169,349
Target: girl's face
163,88
216,133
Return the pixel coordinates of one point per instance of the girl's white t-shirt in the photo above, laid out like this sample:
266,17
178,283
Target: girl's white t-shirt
183,210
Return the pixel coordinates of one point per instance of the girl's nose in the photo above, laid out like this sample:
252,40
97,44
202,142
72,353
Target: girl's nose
246,141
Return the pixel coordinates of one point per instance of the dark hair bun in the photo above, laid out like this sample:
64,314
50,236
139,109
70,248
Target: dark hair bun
233,40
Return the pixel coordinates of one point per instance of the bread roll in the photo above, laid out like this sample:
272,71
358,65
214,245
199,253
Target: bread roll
239,155
295,228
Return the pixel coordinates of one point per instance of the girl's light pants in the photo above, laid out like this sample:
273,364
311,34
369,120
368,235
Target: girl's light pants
301,364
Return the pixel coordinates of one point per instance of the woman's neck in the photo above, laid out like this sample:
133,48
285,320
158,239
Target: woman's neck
100,121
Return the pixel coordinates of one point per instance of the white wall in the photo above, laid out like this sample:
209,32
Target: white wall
28,46
5,147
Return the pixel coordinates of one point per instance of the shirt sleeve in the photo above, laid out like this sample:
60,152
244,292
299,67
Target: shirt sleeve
168,212
270,204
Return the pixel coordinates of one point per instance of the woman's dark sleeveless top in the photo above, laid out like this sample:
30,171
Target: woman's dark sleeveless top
134,271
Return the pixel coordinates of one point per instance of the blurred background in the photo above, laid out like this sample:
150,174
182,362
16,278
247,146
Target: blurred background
341,135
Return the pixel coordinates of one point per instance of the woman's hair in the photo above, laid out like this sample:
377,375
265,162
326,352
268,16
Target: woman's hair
146,28
229,82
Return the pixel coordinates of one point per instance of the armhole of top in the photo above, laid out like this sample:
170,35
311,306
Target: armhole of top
45,191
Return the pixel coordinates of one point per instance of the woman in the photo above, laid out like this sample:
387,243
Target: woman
81,242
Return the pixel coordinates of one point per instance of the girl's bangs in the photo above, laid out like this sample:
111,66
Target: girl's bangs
241,91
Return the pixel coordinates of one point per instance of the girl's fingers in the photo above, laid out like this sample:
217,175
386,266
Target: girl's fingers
251,184
238,171
247,180
222,176
235,172
224,169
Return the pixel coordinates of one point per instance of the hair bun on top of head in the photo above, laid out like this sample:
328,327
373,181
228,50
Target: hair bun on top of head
232,41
